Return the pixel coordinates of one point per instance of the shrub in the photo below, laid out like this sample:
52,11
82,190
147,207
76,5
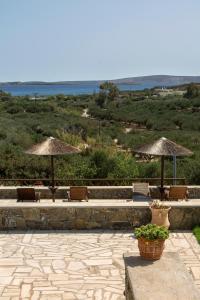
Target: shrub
39,107
124,166
152,232
157,204
72,139
192,91
196,232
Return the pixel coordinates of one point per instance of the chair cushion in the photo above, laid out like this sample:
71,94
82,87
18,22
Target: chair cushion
178,192
78,193
140,197
141,188
26,194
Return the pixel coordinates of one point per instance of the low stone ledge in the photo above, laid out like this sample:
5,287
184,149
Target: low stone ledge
165,279
91,216
195,203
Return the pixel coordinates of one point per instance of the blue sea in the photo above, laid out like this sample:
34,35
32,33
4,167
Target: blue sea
66,89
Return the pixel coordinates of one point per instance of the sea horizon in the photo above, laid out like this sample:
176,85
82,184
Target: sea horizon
65,89
42,88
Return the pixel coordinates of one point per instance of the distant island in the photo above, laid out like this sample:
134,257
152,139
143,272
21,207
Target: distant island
158,80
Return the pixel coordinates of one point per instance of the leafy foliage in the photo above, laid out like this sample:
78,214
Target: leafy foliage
108,92
196,232
152,232
24,122
193,91
110,89
157,204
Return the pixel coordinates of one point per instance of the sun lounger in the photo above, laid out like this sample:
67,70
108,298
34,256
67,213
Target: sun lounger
177,193
141,191
78,193
27,194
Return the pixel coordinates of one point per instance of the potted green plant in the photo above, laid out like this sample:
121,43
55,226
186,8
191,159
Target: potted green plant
151,239
159,211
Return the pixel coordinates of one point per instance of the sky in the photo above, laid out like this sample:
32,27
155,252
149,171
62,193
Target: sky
54,40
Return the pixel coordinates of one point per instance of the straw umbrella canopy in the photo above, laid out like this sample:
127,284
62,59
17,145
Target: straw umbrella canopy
163,147
52,147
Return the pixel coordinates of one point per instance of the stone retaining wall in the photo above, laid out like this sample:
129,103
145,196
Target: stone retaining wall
91,217
96,192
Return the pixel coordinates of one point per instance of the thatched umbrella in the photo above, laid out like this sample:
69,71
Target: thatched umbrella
163,147
52,147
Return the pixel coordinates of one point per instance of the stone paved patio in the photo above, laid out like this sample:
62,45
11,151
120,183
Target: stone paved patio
81,265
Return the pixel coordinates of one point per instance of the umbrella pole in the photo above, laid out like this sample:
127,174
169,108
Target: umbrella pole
174,170
162,177
53,181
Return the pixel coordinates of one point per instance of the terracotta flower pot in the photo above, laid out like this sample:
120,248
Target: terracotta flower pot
160,216
151,249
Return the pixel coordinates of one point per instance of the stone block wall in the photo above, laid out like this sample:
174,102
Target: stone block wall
91,217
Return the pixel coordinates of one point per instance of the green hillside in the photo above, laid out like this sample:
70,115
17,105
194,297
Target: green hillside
117,122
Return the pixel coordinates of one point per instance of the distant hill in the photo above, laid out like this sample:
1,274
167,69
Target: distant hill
159,79
153,80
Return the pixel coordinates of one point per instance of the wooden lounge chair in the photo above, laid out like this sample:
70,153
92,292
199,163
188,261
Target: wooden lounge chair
78,193
177,193
141,191
27,194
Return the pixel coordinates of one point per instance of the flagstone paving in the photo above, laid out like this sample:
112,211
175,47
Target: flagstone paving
61,265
